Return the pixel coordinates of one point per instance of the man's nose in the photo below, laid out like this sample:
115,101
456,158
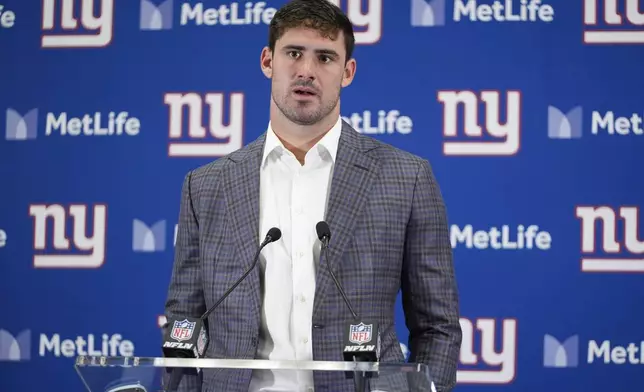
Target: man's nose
306,68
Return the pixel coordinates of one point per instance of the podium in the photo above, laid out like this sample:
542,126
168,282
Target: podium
145,374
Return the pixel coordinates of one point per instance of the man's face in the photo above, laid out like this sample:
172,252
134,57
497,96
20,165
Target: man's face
307,72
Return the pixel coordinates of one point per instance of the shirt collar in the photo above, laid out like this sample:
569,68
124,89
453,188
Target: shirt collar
329,141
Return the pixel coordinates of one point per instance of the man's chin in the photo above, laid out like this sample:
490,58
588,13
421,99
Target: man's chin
305,120
308,116
305,102
302,113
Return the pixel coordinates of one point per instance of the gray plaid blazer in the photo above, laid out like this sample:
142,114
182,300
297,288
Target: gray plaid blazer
390,233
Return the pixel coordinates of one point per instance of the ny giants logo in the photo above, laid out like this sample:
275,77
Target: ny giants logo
221,136
505,136
59,236
503,362
625,254
625,27
97,28
367,24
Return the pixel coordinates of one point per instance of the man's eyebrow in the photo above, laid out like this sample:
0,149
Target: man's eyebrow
320,51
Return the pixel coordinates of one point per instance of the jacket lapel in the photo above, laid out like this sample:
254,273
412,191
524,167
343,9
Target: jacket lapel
242,182
353,175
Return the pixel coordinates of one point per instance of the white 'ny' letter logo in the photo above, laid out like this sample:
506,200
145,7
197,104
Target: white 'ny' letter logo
59,239
615,259
504,361
626,27
508,133
97,30
202,143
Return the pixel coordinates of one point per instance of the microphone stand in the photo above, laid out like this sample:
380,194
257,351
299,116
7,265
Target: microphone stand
359,379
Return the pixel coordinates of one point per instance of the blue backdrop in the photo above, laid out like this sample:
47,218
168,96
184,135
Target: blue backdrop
529,111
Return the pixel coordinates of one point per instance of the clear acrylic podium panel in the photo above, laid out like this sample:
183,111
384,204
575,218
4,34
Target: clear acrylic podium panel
115,374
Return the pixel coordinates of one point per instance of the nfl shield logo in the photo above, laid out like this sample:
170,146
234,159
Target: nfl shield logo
182,330
361,333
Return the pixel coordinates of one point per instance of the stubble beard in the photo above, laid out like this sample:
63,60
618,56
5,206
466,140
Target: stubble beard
302,113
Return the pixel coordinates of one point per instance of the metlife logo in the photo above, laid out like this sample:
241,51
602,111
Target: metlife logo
101,344
7,18
21,127
569,353
505,237
569,124
160,16
151,238
380,122
17,348
431,13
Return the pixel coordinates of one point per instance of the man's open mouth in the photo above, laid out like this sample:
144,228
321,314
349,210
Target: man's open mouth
304,91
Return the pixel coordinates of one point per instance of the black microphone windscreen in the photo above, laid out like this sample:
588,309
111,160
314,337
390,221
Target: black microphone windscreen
275,234
323,230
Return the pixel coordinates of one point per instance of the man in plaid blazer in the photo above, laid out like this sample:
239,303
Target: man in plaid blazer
385,210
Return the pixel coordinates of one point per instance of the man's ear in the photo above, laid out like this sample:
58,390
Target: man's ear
266,62
349,72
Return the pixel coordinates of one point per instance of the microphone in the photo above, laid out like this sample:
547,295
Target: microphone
361,337
187,337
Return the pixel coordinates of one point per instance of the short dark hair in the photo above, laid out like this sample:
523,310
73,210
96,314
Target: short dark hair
320,15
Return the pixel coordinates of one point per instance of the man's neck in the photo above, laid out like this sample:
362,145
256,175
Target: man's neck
299,139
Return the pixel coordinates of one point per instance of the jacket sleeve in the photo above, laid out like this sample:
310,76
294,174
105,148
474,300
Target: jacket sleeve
429,289
185,295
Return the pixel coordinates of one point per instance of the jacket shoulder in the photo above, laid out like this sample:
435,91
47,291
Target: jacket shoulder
390,156
383,152
207,174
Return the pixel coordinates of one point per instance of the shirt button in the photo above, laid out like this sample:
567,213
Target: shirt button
301,254
302,298
305,340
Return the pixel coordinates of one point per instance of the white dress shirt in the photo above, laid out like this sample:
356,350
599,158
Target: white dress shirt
293,197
